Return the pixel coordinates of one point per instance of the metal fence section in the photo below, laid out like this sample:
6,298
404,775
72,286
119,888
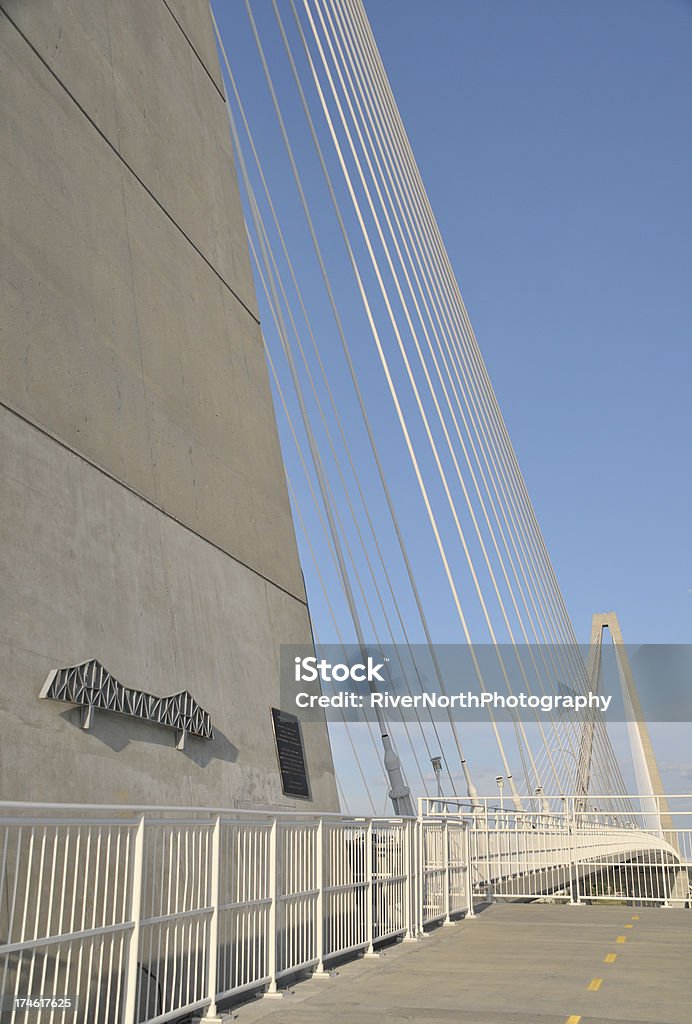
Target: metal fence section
579,853
67,901
138,916
445,882
346,887
648,865
246,900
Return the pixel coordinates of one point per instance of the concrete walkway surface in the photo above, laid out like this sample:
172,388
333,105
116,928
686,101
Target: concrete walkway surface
511,964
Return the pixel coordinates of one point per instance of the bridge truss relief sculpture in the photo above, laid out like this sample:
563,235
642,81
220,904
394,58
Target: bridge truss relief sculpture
91,686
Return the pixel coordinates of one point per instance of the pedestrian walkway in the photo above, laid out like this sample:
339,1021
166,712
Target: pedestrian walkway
512,964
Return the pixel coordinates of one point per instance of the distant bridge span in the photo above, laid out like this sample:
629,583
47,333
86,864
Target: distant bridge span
577,854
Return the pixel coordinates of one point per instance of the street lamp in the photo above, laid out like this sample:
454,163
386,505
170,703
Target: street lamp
437,768
500,786
542,802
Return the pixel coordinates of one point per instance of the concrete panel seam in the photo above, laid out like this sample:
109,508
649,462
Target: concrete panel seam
194,50
131,169
147,501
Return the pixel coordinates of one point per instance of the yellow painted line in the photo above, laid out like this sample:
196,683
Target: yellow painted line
621,938
594,984
574,1019
610,958
629,926
635,917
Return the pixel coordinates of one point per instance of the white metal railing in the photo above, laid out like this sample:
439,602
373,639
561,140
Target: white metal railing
579,853
133,915
143,915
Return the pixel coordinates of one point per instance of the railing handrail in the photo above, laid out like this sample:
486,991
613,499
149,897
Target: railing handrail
463,798
137,809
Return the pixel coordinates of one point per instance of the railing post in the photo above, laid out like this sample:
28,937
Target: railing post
469,882
370,890
135,914
409,884
320,971
212,1015
666,905
420,846
445,864
574,855
272,991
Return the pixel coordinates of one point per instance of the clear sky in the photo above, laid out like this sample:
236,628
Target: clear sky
554,141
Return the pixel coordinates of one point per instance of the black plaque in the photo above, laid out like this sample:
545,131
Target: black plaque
289,750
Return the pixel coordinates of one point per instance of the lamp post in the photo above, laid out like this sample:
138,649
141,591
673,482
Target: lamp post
437,768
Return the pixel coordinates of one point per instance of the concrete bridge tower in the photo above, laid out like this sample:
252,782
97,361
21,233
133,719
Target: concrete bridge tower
145,521
648,776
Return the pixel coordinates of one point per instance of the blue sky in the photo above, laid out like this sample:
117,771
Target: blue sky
554,143
554,140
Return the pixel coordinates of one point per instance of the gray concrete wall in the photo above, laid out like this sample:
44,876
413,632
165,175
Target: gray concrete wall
145,520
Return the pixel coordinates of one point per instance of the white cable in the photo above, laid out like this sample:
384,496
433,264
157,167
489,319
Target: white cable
581,670
395,398
503,522
354,379
392,219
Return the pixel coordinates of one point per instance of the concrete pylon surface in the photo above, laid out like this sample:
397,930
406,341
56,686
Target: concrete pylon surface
145,519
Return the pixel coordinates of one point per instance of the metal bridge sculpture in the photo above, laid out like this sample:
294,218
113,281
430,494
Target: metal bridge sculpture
91,687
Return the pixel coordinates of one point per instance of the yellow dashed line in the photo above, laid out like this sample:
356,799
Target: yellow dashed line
635,917
595,983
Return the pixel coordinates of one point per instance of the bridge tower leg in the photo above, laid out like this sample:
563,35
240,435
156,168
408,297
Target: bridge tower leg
645,764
